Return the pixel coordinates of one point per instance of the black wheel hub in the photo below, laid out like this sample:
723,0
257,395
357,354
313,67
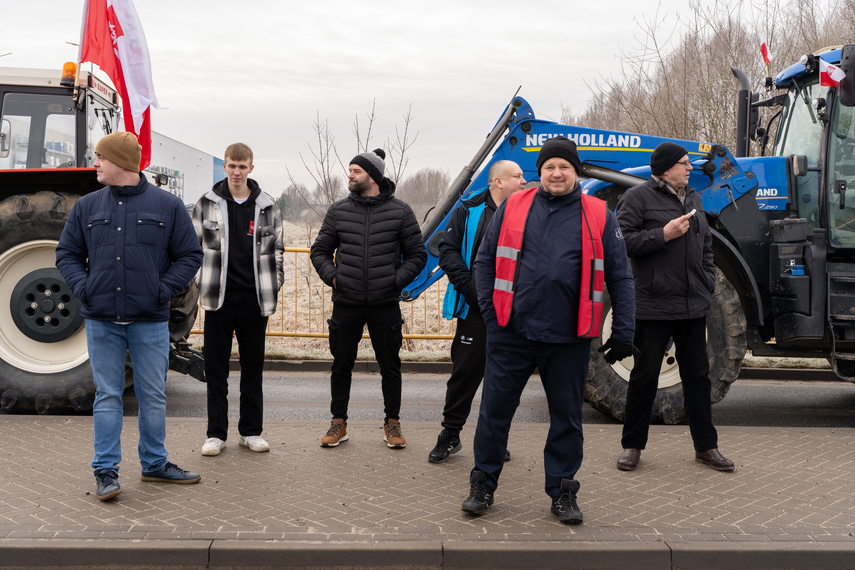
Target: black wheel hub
43,307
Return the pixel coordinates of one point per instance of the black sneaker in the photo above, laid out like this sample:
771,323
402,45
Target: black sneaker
446,444
507,455
480,495
564,504
107,485
171,473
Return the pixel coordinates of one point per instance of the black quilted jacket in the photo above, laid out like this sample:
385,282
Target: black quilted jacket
372,247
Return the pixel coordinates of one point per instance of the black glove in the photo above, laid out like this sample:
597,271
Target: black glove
616,351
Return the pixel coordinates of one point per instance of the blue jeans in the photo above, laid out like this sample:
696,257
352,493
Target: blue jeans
108,345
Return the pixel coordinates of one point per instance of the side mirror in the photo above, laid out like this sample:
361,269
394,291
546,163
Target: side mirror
5,135
800,165
847,84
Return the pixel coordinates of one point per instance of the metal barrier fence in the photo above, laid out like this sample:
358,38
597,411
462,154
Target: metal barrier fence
305,305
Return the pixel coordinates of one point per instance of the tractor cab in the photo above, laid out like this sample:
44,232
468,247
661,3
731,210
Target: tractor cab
43,125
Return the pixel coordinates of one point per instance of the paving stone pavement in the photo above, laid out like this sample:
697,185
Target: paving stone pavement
362,504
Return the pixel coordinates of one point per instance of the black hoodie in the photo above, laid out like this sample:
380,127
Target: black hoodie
241,224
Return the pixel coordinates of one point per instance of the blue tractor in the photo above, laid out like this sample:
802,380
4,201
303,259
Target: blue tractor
783,223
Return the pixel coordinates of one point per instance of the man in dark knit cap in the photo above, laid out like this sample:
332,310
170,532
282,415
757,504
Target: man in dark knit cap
126,251
540,275
368,249
670,246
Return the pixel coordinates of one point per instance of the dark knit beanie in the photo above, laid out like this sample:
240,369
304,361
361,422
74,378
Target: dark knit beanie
560,147
122,149
372,163
665,156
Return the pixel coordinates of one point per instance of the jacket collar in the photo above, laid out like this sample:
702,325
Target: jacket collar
141,187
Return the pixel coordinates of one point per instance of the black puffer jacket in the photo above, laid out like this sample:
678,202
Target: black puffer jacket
372,246
673,280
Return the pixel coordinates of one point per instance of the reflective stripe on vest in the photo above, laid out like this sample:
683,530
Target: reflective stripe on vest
593,267
592,280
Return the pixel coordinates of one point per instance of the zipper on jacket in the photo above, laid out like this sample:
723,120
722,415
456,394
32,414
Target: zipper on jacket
365,254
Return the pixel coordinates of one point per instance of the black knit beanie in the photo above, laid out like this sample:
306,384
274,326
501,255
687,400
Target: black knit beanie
372,163
665,156
560,147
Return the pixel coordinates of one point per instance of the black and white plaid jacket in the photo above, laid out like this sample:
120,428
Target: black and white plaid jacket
210,218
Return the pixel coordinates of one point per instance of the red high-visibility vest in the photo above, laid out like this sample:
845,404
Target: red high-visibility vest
593,265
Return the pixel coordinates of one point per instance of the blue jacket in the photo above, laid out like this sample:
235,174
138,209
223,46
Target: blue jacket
126,251
546,299
463,233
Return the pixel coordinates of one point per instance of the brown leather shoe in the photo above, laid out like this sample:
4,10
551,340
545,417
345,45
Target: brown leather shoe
714,459
628,460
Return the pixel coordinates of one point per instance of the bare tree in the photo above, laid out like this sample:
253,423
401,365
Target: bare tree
676,82
326,164
399,148
423,189
362,144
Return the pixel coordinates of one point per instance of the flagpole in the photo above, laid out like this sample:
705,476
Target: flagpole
76,93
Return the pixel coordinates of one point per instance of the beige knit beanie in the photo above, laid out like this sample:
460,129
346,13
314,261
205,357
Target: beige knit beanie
122,149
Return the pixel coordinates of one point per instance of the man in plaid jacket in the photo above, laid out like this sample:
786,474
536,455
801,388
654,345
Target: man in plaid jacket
240,228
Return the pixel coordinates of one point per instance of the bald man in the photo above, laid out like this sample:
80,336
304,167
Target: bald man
456,252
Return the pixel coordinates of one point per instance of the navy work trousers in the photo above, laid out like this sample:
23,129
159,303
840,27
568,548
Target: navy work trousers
563,368
690,344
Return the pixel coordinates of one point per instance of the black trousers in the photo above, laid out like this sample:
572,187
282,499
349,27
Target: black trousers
651,337
468,356
384,327
240,316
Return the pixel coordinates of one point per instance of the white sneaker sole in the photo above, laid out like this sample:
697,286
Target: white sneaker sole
212,451
334,444
256,448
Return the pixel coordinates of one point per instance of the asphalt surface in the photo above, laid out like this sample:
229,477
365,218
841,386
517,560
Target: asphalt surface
789,504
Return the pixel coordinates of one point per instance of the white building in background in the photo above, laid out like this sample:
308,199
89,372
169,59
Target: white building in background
183,170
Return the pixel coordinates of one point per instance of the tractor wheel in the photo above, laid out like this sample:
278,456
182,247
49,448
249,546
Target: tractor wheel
44,364
726,343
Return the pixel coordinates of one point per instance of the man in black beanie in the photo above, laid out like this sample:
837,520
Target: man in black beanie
368,249
670,246
540,275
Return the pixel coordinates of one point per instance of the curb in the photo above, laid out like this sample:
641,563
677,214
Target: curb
24,553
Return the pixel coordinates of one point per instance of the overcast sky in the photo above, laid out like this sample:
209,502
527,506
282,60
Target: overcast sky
259,71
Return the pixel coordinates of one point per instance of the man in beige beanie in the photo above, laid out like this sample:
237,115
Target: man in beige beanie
126,251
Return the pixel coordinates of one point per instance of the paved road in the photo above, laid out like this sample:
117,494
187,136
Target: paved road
789,504
305,395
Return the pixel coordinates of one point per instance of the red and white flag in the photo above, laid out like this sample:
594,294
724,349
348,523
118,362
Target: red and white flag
829,75
764,51
112,38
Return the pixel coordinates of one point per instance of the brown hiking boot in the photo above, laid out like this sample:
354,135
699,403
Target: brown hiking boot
335,435
392,434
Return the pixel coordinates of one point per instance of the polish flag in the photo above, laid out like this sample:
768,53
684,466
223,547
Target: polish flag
112,38
767,57
829,75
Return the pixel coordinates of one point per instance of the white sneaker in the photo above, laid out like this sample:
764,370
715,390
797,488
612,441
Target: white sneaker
213,446
254,443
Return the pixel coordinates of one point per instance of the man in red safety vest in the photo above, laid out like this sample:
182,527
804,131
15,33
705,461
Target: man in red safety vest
540,273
